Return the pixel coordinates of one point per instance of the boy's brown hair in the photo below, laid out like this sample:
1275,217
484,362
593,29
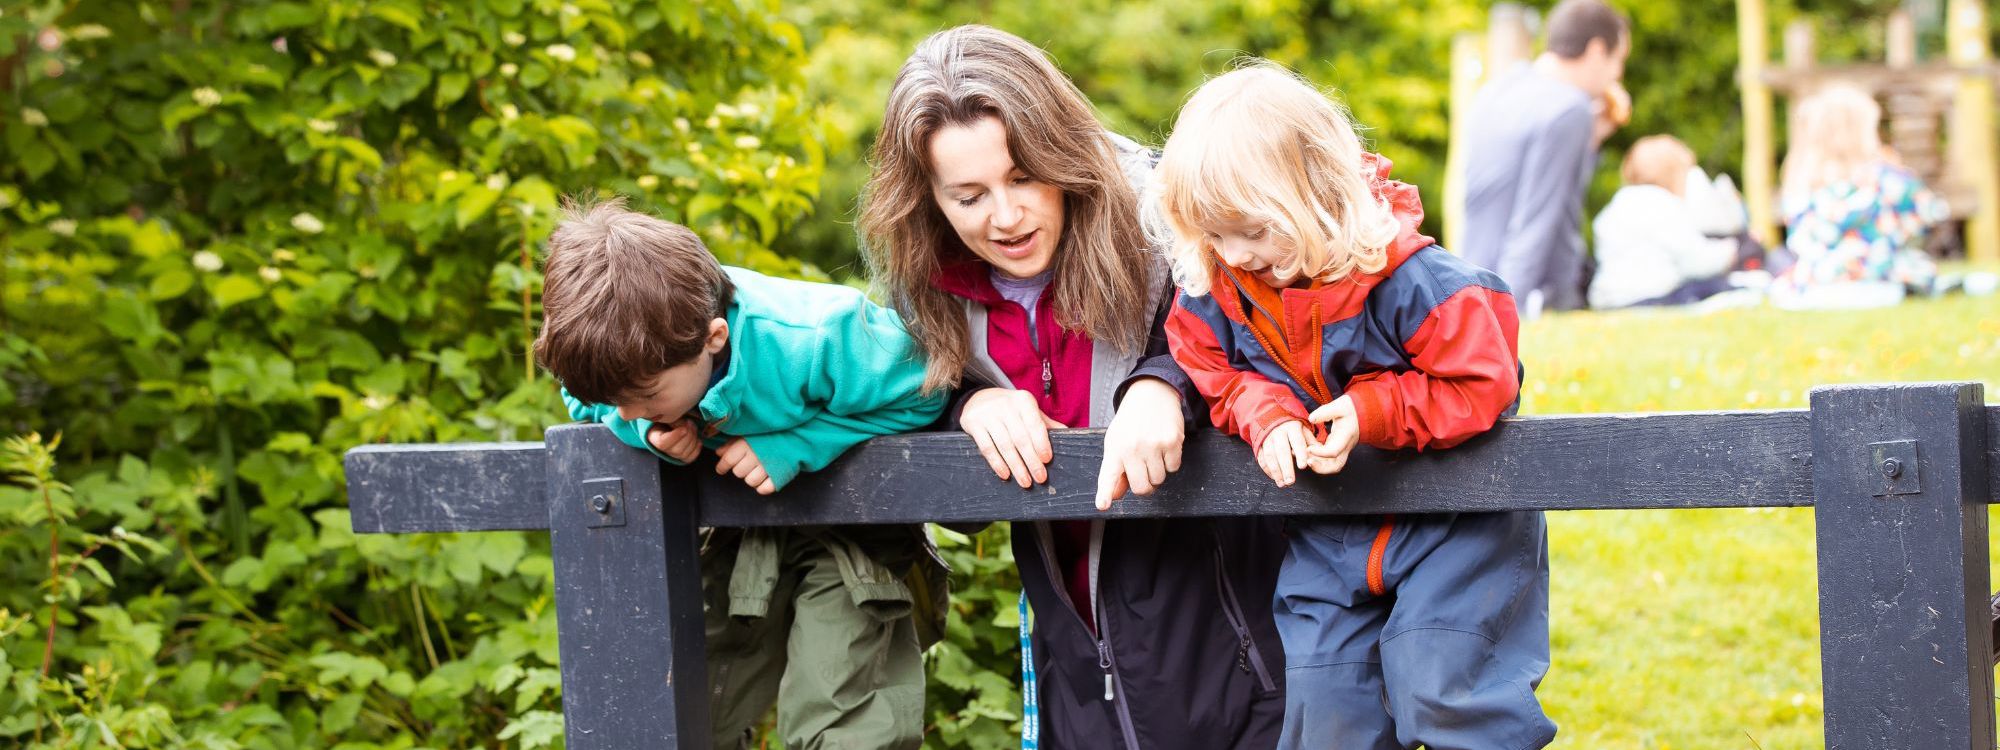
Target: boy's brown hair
624,296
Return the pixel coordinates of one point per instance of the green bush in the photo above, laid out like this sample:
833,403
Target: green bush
239,239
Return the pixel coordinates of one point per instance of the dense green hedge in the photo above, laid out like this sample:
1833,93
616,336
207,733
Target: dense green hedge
241,238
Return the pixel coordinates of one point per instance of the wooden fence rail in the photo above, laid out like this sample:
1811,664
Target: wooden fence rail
1899,477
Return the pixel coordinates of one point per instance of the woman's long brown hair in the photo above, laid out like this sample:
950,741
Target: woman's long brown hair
960,76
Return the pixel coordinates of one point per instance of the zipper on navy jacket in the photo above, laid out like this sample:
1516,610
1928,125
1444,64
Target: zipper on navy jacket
1248,658
1046,544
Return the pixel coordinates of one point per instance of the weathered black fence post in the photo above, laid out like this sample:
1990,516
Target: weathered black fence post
628,595
1900,495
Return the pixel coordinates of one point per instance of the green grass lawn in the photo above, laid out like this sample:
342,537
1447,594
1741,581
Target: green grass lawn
1700,629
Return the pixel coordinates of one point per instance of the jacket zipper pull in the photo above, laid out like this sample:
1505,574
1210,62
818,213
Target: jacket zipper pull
1243,654
1104,663
1048,379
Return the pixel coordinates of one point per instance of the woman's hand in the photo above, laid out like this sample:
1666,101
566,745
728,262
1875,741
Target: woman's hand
1012,434
1343,431
1142,445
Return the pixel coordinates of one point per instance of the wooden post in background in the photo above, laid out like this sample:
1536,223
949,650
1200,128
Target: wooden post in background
1508,38
1971,138
1758,154
1901,44
1800,49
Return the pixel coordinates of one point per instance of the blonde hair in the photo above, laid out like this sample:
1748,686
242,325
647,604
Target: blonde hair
1260,144
1661,160
960,76
1834,138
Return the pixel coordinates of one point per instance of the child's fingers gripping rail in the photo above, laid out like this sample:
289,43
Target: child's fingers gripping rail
736,457
1339,430
1284,452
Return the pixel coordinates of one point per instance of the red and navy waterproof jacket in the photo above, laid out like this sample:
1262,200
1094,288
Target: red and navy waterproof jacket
1426,347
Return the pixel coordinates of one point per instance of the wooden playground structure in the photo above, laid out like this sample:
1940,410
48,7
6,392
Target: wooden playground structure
1938,110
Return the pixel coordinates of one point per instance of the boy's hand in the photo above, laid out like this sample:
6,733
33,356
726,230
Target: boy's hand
679,442
1284,452
738,459
1343,431
1012,434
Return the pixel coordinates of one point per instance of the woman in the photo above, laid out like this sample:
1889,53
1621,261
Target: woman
1003,220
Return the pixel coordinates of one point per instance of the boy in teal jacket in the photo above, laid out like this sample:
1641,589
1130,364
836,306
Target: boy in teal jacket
653,338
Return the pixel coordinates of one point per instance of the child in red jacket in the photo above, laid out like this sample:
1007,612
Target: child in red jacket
1314,316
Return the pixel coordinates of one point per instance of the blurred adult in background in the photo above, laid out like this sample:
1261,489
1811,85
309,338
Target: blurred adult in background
1003,221
1651,247
1855,218
1531,147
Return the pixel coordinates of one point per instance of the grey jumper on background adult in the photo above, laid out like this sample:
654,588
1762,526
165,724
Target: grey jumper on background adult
1531,148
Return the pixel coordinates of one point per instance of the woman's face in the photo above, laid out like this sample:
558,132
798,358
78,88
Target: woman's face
1007,218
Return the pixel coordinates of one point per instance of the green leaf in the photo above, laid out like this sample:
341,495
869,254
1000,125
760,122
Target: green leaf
236,288
97,571
464,564
397,14
339,716
171,283
474,203
450,87
129,317
501,551
535,728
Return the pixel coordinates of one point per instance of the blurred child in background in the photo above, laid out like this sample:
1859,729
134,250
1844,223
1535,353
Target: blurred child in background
1855,218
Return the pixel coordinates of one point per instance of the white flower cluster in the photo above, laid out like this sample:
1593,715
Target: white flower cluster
307,223
514,38
207,96
382,58
207,261
34,118
561,52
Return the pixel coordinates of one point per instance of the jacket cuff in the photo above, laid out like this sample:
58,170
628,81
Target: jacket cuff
1260,428
1371,412
1168,371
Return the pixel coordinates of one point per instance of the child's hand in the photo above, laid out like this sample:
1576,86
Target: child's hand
738,459
1284,452
1343,431
679,442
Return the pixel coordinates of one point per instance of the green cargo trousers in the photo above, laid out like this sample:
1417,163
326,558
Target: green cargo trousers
817,621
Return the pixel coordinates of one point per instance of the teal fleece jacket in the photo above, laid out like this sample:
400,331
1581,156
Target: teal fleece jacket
813,370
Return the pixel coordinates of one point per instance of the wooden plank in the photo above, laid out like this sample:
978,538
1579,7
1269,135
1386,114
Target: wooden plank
1901,490
447,487
628,596
1689,460
495,486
